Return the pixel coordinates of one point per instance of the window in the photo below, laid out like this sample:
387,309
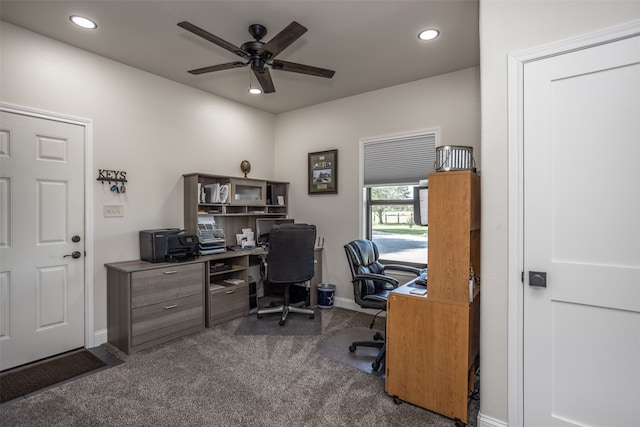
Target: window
392,168
392,227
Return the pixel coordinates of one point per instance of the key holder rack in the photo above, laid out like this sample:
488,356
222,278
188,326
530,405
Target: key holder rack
116,179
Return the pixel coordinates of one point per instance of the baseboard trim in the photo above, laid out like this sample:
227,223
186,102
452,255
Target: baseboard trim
99,337
485,421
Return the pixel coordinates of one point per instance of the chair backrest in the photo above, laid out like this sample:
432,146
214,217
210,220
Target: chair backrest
363,258
291,253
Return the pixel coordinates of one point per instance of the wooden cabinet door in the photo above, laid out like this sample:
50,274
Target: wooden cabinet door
428,354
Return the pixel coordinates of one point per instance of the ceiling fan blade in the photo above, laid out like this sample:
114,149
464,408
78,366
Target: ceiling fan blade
213,39
281,40
264,78
302,69
211,68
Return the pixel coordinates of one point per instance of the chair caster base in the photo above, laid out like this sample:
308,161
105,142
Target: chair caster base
352,348
397,400
376,366
281,322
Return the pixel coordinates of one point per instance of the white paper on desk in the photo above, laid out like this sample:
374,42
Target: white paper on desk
207,219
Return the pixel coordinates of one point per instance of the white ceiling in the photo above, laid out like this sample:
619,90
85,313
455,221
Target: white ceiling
371,44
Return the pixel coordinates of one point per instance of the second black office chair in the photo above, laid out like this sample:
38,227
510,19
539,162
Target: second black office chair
371,286
290,260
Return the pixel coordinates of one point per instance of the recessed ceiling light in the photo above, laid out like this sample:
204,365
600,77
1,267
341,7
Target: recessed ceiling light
83,22
254,91
429,34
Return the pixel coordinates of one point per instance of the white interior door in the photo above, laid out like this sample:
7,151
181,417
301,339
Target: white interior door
41,225
582,228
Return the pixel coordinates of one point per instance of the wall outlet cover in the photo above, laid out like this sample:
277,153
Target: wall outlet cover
113,211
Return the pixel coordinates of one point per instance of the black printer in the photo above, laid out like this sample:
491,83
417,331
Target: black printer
168,244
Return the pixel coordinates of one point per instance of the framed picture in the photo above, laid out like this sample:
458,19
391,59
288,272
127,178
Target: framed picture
323,172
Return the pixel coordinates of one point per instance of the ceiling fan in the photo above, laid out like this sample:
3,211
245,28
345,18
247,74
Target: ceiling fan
257,54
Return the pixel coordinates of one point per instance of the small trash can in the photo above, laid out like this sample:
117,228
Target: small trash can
325,295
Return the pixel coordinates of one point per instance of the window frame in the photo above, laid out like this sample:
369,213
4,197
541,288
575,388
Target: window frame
370,202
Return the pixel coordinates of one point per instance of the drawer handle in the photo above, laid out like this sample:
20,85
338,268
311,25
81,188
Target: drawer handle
171,272
169,307
230,292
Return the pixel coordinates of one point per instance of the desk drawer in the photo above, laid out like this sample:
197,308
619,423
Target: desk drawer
159,320
228,303
165,284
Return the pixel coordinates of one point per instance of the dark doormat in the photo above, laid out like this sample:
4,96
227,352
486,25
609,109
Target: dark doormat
269,324
37,376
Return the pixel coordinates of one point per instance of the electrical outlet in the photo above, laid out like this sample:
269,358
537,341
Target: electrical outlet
113,211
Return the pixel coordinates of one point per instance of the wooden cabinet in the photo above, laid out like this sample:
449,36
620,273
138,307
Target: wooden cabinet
148,303
228,287
454,234
246,200
227,302
316,279
433,340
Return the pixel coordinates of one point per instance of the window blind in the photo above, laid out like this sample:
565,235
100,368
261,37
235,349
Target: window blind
399,160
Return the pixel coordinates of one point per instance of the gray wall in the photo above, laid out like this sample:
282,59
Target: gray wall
449,102
152,128
138,117
506,27
157,130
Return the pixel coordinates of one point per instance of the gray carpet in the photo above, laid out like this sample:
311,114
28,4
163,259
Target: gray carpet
269,324
218,378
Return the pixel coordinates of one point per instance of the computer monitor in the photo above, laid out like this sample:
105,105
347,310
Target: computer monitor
420,205
264,226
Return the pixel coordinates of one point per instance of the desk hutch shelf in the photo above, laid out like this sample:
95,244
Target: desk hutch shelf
247,200
433,340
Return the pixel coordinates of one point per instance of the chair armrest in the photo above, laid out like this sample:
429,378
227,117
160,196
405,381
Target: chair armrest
400,267
373,276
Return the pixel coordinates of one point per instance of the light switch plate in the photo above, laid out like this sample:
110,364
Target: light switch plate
113,211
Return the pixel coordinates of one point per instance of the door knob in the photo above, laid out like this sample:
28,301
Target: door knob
74,254
538,279
75,239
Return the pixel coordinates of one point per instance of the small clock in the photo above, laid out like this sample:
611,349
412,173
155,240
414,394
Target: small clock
245,167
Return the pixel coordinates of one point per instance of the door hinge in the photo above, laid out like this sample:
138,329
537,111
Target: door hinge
522,277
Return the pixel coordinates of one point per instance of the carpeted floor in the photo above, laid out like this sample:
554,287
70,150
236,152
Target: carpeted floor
269,324
217,378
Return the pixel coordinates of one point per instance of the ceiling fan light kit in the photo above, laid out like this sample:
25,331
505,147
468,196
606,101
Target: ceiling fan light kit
257,54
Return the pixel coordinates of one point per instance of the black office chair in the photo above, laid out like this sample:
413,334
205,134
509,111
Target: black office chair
290,260
371,287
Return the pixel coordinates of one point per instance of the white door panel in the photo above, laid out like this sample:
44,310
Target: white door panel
581,204
42,194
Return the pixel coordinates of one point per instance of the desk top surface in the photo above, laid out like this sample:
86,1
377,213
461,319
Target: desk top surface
139,265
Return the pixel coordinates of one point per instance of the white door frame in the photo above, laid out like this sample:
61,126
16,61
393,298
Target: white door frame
89,333
515,267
